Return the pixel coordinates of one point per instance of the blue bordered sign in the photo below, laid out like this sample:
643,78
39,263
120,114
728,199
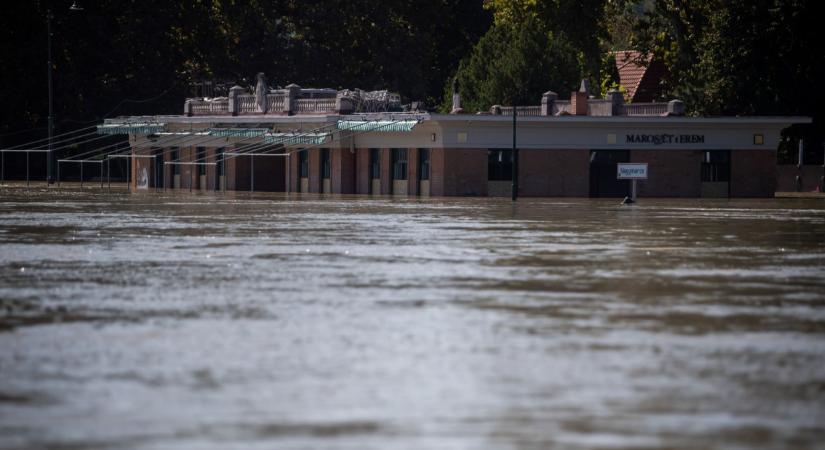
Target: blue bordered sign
631,171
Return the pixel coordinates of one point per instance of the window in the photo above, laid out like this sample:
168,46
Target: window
423,164
375,164
201,159
499,165
303,164
175,159
399,164
716,166
325,163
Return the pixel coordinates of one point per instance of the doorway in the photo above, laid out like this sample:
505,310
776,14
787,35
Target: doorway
603,170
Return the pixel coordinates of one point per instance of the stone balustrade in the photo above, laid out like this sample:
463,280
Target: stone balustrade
645,109
293,100
279,103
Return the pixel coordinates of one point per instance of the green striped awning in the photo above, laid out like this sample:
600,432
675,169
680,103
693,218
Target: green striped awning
131,128
238,132
377,125
296,138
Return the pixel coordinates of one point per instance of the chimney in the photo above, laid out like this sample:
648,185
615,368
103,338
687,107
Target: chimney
585,87
578,100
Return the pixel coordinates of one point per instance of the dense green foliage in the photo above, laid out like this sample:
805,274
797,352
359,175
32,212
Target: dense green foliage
115,51
516,64
724,57
580,22
741,57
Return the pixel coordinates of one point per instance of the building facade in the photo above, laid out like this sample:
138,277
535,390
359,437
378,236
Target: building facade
316,143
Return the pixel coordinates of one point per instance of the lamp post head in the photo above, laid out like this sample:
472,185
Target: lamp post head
74,7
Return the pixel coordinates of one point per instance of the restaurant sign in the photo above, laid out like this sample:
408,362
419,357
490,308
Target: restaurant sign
659,139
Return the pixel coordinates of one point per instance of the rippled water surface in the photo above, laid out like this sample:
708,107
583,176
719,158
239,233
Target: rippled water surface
166,321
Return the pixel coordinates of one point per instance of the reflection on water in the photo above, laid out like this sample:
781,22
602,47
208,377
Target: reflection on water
189,321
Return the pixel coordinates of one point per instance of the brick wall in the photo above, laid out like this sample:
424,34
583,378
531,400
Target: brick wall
292,170
188,180
554,173
362,171
237,174
437,172
412,171
810,174
465,172
752,173
386,175
269,173
342,176
314,161
671,173
211,171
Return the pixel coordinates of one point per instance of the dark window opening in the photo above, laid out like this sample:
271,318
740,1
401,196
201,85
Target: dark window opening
603,168
399,164
303,163
423,164
375,164
159,173
325,163
499,165
175,159
219,160
716,166
201,159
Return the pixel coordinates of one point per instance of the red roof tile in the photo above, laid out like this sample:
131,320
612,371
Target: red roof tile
639,76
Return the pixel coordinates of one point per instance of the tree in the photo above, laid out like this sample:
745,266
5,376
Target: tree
515,64
741,57
117,51
581,23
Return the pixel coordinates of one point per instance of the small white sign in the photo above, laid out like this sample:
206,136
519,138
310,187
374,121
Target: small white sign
142,178
631,171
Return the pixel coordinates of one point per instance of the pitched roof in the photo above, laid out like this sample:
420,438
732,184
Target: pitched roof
639,75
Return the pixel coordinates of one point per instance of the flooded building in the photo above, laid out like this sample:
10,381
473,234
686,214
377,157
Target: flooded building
357,142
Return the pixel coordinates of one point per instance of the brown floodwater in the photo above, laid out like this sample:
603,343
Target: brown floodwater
179,321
